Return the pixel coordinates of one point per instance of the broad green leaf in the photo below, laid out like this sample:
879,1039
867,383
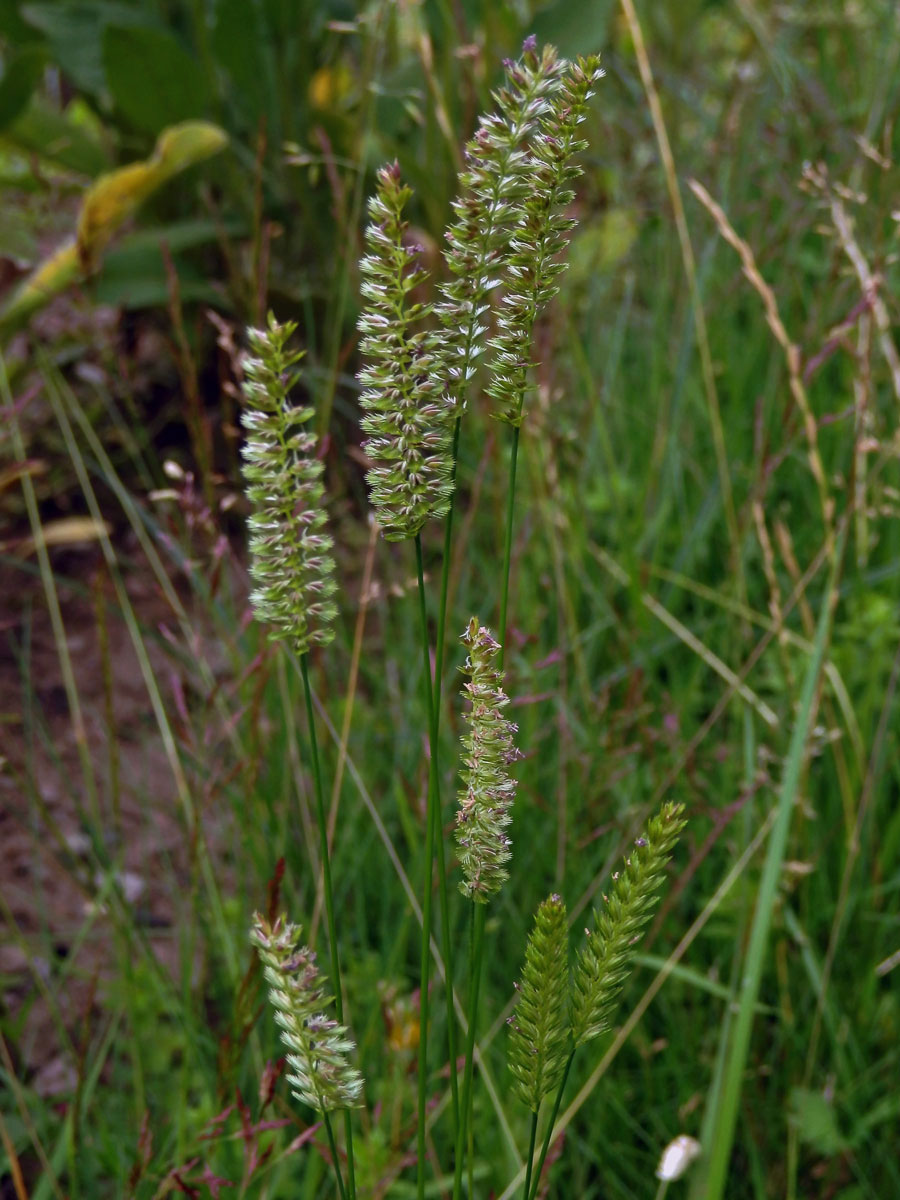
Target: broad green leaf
133,275
573,28
22,73
12,27
816,1121
136,278
74,32
238,45
153,79
51,136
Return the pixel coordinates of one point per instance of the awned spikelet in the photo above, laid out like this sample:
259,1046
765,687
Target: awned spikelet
290,560
407,413
488,789
605,960
539,1028
319,1073
492,186
540,234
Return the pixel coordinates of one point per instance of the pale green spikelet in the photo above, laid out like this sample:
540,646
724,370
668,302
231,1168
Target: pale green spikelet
488,789
319,1074
492,185
539,1028
541,234
290,560
605,960
407,414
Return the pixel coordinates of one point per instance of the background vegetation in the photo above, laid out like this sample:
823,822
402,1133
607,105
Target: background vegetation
714,424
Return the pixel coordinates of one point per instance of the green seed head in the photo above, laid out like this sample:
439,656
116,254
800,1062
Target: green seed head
290,559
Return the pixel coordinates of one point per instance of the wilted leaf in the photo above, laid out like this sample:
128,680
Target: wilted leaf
106,205
114,197
67,531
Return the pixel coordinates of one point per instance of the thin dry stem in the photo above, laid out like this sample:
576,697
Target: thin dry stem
791,350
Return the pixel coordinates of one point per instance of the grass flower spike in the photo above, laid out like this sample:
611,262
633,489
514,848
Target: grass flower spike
291,563
489,790
604,962
319,1075
540,235
539,1042
492,186
407,415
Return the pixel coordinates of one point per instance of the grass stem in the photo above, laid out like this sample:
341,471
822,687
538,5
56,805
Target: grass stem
507,547
322,821
430,832
476,956
446,940
722,1138
333,1148
548,1134
530,1159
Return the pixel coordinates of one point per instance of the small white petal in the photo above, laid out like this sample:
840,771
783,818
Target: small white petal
677,1157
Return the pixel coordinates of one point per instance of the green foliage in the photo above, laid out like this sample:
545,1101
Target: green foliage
628,604
291,562
603,963
154,81
21,74
539,1037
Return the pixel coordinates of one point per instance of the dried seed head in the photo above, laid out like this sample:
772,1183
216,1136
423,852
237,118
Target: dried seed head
492,186
407,414
319,1073
488,790
541,232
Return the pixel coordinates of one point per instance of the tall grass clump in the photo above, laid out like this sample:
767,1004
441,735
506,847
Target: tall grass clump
693,497
420,367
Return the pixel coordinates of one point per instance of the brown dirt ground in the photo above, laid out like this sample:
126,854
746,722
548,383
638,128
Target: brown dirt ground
56,940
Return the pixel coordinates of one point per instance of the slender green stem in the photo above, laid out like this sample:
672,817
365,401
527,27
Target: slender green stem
476,955
767,895
507,548
322,822
430,829
446,940
445,582
334,1154
549,1131
530,1159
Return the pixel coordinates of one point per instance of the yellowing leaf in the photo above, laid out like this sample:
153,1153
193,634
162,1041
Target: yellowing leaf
67,531
107,204
328,86
115,196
